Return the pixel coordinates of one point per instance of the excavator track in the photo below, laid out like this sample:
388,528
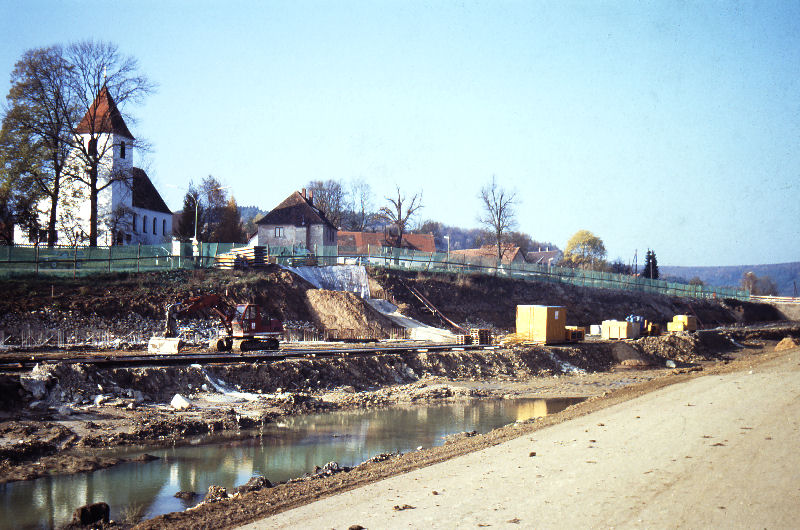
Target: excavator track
254,344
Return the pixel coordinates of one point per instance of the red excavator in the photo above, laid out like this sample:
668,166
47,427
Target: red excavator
245,326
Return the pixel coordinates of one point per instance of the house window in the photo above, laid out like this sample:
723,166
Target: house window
155,226
122,149
144,224
163,227
134,222
278,231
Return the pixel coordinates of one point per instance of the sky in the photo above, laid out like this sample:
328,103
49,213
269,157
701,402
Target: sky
669,125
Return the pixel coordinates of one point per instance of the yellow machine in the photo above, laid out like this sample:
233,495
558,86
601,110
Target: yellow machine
682,323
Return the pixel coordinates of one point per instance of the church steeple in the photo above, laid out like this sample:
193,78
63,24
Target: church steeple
104,117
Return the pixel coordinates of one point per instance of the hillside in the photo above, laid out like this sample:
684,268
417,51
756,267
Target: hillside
783,274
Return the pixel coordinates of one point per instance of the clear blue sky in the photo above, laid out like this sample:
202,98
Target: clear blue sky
671,125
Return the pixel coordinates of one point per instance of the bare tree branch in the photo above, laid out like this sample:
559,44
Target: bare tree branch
499,213
399,214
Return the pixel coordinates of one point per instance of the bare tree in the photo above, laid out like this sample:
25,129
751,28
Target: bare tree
98,68
359,213
329,196
400,212
498,212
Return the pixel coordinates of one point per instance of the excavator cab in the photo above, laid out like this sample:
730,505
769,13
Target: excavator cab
247,321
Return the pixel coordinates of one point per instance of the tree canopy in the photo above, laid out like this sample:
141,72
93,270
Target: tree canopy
52,90
585,250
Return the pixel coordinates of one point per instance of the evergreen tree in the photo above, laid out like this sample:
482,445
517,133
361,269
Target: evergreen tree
229,229
192,206
650,269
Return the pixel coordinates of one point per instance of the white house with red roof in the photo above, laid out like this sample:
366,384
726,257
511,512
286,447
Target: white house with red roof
130,210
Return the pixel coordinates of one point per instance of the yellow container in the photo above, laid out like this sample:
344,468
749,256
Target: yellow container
676,326
541,323
616,329
687,323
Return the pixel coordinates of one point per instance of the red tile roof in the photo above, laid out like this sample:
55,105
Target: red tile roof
103,117
357,242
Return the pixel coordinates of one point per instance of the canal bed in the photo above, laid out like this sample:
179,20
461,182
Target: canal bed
281,451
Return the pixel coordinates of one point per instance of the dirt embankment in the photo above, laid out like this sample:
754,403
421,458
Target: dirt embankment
346,313
493,300
133,303
146,294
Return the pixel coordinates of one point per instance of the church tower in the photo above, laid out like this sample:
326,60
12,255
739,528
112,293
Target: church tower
129,208
104,134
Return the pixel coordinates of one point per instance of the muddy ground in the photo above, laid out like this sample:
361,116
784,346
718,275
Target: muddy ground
54,415
51,419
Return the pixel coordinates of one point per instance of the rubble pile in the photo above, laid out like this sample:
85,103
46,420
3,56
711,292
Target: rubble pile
687,347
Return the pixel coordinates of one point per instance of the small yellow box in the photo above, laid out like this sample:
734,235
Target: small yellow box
541,323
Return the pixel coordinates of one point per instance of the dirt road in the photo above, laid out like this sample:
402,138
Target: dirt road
715,451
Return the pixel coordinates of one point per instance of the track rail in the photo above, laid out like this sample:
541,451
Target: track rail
110,361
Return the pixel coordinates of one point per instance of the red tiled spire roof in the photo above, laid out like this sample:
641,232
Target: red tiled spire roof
105,117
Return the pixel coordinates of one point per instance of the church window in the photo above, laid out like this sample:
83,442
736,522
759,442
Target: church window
122,149
155,231
134,222
163,227
144,224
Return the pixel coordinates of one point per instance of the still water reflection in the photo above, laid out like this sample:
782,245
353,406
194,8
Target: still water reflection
285,450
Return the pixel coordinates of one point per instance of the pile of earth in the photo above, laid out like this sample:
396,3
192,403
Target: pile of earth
688,347
462,297
346,315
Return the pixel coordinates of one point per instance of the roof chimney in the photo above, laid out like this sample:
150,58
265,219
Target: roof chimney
303,193
311,196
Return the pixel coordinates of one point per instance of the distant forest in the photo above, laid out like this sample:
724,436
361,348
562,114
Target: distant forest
785,275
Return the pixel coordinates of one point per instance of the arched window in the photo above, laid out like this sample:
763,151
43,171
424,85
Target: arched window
163,227
155,231
144,224
122,149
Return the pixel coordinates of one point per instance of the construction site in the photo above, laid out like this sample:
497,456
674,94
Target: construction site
119,373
